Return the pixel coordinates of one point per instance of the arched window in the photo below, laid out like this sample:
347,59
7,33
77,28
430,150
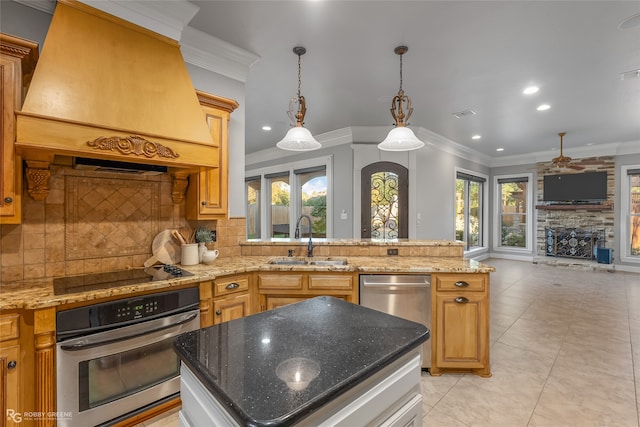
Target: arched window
384,201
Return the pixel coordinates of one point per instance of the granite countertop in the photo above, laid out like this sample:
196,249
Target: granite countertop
39,293
349,343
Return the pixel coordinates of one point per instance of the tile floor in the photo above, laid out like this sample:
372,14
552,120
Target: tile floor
565,351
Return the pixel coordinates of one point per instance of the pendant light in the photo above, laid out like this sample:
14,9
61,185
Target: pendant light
298,138
401,138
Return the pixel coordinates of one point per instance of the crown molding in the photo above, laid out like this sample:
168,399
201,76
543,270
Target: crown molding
168,18
213,54
47,6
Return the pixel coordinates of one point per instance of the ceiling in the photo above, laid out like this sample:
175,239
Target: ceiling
462,55
477,55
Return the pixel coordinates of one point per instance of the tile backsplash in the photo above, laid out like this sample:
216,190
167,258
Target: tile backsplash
96,221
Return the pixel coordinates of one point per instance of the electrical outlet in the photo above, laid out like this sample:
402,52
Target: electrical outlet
392,251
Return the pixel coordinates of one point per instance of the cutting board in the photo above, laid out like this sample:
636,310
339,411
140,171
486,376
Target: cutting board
165,250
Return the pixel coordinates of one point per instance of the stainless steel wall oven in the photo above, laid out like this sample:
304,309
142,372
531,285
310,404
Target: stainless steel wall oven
117,358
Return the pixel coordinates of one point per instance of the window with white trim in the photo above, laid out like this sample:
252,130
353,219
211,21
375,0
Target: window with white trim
630,211
289,191
513,200
469,213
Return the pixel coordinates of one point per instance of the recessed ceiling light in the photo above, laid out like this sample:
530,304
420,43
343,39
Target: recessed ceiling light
631,22
499,149
476,137
543,107
266,127
531,89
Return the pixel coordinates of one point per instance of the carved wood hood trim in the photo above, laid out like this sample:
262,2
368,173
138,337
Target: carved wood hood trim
134,144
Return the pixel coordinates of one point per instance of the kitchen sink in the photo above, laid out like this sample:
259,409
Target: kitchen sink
327,262
309,261
284,261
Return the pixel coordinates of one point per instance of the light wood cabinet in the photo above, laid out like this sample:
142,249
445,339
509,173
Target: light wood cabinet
18,60
232,299
11,371
460,323
276,289
207,194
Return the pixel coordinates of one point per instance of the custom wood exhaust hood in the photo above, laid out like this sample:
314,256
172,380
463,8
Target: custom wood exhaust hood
107,89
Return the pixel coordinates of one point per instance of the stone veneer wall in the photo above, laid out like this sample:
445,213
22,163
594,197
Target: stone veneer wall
578,218
95,222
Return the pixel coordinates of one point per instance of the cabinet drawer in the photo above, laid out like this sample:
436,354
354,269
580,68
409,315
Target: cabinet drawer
280,281
330,282
460,282
229,285
9,327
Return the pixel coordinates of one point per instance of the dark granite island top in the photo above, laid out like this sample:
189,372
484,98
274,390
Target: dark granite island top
236,361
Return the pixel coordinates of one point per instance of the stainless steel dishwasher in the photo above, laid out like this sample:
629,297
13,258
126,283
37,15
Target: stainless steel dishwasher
407,296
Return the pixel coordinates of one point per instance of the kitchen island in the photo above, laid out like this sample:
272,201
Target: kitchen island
364,368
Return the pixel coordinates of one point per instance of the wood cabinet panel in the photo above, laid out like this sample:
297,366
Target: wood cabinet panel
10,380
460,324
325,281
207,194
281,288
9,327
231,307
459,331
460,282
17,60
231,285
281,281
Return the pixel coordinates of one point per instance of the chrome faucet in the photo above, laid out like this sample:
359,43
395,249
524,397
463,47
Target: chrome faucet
297,233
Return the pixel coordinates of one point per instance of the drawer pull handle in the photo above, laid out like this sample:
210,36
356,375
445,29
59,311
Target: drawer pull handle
461,300
8,200
233,285
12,364
461,284
218,312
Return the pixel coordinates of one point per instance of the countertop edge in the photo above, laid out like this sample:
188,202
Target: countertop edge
37,294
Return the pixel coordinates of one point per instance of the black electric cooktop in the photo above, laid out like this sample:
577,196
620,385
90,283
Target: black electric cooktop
112,279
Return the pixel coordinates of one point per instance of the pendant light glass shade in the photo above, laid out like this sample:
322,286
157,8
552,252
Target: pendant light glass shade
401,138
298,138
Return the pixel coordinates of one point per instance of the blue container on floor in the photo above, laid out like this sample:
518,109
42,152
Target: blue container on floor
604,255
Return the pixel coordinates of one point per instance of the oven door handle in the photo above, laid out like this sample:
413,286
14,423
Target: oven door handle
89,343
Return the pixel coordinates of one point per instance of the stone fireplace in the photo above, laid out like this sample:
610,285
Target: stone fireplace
572,231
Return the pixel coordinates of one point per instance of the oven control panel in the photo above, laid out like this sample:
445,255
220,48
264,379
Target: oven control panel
78,321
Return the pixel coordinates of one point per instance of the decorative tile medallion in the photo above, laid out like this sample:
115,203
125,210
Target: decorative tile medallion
109,217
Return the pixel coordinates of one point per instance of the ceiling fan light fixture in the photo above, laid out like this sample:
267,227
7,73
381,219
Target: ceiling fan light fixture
563,161
401,138
298,138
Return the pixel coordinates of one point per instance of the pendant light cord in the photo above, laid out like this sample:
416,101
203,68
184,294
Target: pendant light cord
300,79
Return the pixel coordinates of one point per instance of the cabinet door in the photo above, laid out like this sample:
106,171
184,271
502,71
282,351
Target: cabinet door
207,194
278,301
9,386
461,330
10,177
231,307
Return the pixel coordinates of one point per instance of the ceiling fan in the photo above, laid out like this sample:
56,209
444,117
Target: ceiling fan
563,161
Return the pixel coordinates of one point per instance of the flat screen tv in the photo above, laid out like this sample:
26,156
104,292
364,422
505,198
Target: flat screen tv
575,187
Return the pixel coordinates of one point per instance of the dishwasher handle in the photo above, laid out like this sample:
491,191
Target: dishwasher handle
400,281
